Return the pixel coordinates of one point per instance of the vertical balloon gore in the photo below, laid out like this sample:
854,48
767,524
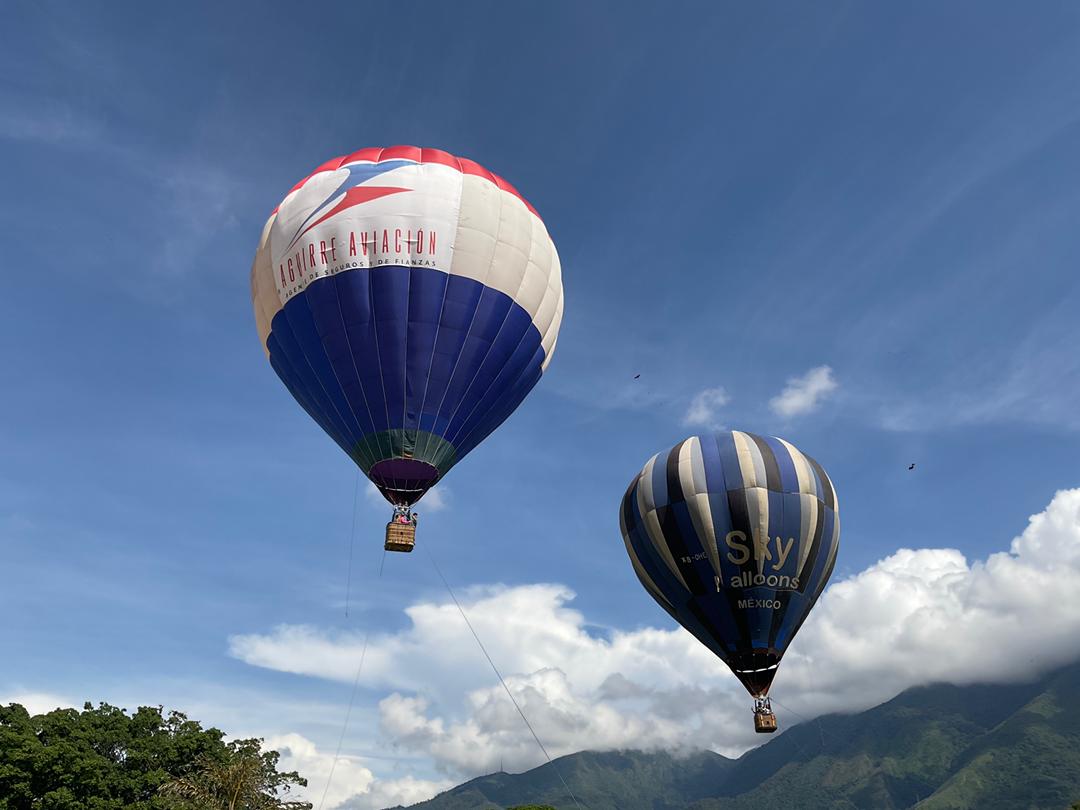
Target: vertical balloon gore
735,536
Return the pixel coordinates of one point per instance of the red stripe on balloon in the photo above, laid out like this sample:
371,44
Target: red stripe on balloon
421,156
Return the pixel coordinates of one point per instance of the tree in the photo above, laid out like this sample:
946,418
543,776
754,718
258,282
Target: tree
246,778
106,759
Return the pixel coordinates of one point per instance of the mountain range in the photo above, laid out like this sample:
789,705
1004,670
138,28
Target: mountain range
939,747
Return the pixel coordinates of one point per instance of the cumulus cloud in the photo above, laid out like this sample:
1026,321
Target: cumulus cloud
931,615
567,718
39,702
804,394
526,629
353,786
405,791
298,753
917,616
704,406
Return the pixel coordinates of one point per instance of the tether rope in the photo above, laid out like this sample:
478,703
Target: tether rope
363,651
821,730
495,669
352,542
345,725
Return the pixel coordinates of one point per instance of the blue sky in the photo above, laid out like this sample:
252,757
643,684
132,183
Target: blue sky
738,195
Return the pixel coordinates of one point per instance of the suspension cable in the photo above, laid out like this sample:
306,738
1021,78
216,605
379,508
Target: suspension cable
352,542
345,725
821,730
495,669
363,650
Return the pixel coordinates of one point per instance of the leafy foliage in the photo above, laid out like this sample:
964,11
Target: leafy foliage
105,759
245,779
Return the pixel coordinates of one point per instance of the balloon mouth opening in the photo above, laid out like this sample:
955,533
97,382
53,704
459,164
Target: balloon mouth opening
403,481
755,669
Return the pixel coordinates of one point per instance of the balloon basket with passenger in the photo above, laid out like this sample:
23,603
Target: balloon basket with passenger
401,530
764,719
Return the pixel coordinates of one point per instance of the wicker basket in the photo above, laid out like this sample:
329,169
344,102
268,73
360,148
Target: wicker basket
400,537
764,723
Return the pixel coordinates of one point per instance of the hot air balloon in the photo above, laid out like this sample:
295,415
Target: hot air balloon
735,536
409,300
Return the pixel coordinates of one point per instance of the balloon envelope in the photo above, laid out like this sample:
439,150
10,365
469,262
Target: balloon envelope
409,300
734,535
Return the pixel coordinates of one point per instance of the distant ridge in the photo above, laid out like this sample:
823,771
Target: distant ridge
938,747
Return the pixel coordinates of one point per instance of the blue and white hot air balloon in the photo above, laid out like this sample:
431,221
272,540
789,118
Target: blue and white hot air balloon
409,300
735,536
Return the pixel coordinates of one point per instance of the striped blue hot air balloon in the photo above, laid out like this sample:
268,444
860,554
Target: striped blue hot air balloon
735,536
409,300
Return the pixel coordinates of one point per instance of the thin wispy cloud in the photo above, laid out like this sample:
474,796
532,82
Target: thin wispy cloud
804,394
704,408
1036,381
51,124
184,197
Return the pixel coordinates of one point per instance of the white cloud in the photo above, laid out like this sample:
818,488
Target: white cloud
298,753
928,615
405,791
528,627
703,408
50,123
915,617
1036,381
182,200
352,786
39,702
373,496
804,394
435,500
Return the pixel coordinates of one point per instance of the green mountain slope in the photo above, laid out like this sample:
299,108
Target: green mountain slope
608,780
1030,760
891,756
939,747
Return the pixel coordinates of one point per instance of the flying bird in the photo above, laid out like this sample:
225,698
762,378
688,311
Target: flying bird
636,376
911,466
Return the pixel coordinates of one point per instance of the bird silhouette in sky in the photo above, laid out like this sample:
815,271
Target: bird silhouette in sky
636,376
911,466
